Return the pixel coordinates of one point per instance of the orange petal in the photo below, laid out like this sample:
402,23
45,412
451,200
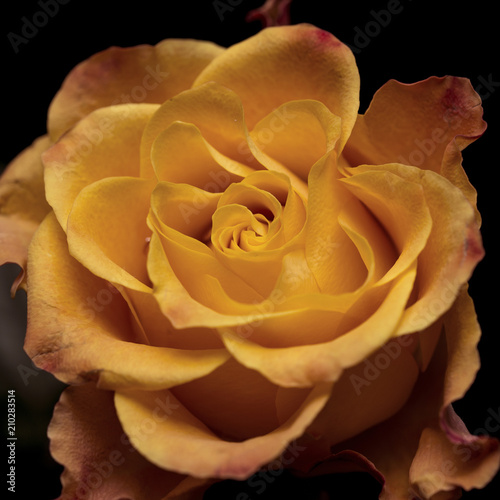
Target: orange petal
303,366
340,268
99,461
215,110
180,154
425,124
297,134
425,446
449,457
229,411
92,332
107,230
289,63
368,393
400,207
104,144
179,248
22,204
451,251
182,443
444,465
142,74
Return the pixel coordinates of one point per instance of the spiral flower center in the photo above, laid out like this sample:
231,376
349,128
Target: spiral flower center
247,219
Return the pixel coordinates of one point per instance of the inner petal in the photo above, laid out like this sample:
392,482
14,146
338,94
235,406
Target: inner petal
297,134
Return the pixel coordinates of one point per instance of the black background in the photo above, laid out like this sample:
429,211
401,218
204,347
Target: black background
425,38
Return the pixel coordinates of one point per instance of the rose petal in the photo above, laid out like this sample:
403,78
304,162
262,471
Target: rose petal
368,393
425,124
178,247
425,434
306,365
215,110
107,230
22,204
451,251
104,144
297,134
399,205
229,411
180,154
217,113
442,464
340,269
86,437
128,75
181,442
92,333
285,64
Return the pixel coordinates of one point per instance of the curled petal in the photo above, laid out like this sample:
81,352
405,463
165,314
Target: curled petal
104,144
289,63
107,230
180,154
400,206
297,134
451,252
217,113
425,124
182,443
306,365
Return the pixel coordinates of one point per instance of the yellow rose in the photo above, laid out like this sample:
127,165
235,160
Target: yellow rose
234,270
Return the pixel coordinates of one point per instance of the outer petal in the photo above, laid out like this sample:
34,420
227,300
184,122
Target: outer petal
80,327
128,75
451,251
86,437
184,444
368,393
105,144
449,457
22,204
425,124
289,63
426,434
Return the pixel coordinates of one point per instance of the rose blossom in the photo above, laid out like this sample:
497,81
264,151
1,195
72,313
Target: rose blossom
231,267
